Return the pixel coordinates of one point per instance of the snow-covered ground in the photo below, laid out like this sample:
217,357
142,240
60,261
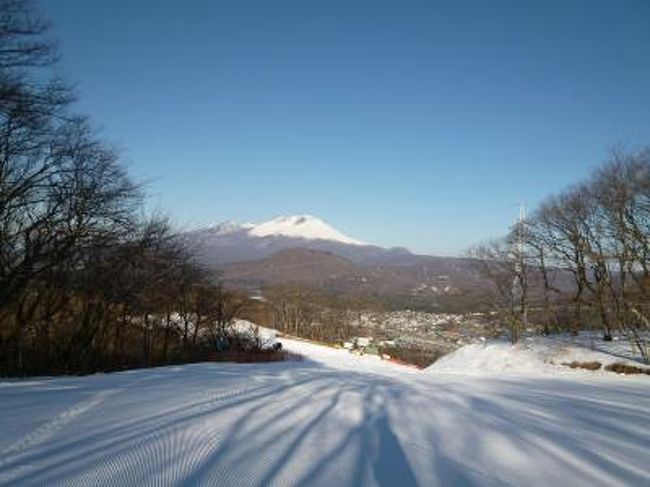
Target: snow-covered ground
535,356
334,419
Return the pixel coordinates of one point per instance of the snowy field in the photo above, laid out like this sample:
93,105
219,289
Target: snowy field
334,419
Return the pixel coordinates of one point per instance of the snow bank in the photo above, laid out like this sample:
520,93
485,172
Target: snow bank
266,336
532,356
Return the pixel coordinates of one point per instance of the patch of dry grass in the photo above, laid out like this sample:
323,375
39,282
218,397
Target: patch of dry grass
583,365
255,356
621,368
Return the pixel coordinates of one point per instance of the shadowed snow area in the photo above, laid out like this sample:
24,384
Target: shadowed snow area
334,419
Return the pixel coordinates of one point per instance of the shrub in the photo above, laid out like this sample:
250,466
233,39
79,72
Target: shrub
584,365
255,356
621,368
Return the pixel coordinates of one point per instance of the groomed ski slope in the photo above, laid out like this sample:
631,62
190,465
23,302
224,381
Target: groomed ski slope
332,420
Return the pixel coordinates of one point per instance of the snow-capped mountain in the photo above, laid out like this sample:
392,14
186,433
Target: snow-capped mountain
301,226
230,242
305,227
228,227
303,248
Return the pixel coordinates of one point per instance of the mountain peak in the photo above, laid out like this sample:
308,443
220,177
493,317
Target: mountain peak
228,227
301,226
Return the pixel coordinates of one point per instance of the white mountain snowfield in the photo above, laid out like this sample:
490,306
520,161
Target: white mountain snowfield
333,419
305,227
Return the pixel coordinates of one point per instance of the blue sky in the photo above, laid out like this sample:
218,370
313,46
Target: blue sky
403,123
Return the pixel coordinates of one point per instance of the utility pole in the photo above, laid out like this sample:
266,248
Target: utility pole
522,228
523,270
519,282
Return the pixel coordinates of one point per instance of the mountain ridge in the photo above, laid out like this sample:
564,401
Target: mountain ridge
301,226
230,242
251,260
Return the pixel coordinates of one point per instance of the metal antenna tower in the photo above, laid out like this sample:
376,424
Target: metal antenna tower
519,279
522,262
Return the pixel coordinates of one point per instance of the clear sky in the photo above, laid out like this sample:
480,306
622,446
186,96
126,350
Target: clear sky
401,123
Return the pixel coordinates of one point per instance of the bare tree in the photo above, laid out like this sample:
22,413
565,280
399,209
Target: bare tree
503,266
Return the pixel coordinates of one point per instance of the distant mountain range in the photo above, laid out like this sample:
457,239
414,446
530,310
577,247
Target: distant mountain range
305,250
230,242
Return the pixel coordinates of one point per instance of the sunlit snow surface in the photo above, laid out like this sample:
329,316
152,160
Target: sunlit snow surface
536,356
334,419
301,226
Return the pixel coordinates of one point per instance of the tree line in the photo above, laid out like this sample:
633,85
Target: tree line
582,259
88,280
